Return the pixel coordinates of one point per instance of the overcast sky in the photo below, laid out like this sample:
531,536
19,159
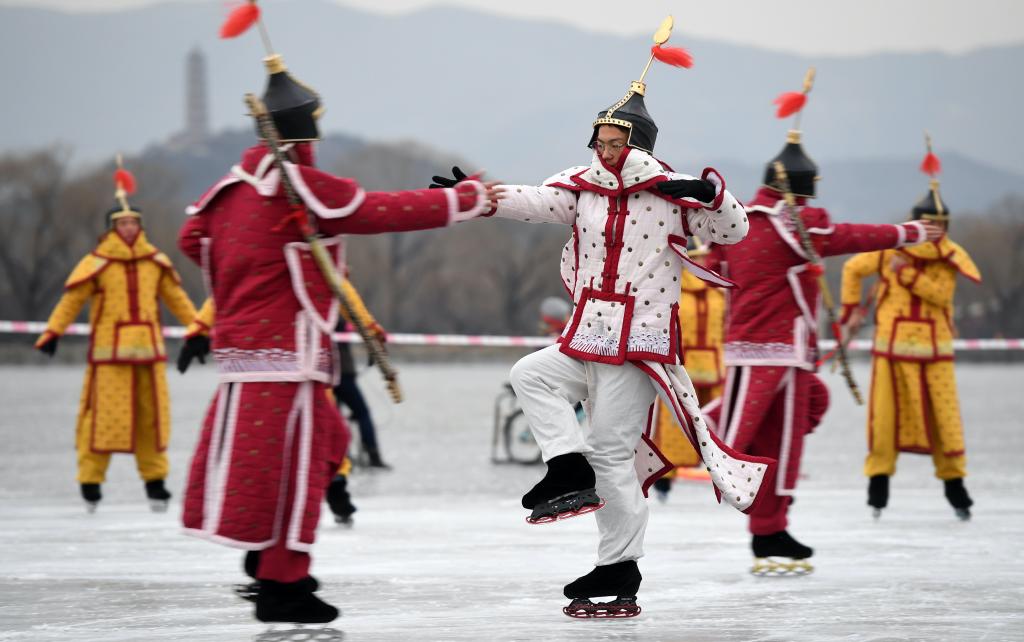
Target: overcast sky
815,27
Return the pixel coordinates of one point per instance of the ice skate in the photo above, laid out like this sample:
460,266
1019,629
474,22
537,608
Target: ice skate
956,495
249,591
340,502
567,490
300,633
779,555
878,494
91,495
661,489
292,602
159,497
621,580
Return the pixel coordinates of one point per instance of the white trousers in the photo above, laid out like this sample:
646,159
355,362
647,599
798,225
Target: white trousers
548,385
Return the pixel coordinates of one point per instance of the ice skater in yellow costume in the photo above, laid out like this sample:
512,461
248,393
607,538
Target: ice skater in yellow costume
702,321
124,405
913,405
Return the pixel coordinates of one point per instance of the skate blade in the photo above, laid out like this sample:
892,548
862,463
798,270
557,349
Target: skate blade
963,514
300,633
876,513
158,505
247,592
90,507
780,567
584,609
344,522
548,519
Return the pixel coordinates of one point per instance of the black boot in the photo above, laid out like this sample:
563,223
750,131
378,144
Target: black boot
292,602
158,496
566,490
780,554
662,487
374,460
780,544
878,494
339,501
956,495
250,564
92,496
621,580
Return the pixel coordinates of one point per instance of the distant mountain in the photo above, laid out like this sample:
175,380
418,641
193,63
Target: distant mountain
518,96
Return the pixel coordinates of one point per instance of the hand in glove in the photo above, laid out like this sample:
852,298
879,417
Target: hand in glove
695,188
196,347
49,348
441,181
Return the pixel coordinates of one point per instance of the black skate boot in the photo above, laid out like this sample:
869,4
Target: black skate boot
567,490
621,580
292,602
878,494
92,496
250,564
374,460
956,495
340,502
780,554
661,488
158,496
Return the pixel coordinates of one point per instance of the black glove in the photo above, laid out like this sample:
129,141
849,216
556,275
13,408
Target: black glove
441,181
196,347
50,347
696,188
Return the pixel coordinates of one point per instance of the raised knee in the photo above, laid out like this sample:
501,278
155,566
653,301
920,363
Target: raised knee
521,374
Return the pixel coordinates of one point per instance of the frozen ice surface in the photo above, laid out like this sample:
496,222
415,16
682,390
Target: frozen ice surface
440,550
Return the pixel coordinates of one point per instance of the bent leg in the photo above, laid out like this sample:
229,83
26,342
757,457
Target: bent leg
548,385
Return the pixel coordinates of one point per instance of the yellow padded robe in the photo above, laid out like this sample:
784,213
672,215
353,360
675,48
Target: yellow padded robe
124,405
913,405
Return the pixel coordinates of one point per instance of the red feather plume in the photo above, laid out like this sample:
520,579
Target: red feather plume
790,103
675,56
239,20
931,164
124,180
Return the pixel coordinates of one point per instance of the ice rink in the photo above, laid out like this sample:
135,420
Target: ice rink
440,549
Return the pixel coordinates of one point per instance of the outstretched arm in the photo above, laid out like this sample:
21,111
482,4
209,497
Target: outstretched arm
537,204
849,238
855,270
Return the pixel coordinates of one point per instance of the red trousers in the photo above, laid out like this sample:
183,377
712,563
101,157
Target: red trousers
766,411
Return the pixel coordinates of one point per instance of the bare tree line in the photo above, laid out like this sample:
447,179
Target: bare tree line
485,276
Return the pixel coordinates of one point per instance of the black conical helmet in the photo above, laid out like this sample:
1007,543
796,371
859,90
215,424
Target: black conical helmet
630,113
931,206
294,106
802,170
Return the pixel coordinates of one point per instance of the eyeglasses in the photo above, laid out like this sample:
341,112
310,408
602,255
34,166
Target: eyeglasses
615,145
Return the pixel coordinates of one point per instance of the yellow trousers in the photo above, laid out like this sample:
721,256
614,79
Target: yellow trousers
151,462
914,408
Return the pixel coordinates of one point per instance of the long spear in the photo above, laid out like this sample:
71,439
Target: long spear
321,257
818,266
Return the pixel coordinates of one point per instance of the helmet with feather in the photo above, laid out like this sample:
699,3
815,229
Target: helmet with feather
124,185
630,112
931,207
294,106
801,169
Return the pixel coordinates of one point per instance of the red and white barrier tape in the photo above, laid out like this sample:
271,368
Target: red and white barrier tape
484,340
